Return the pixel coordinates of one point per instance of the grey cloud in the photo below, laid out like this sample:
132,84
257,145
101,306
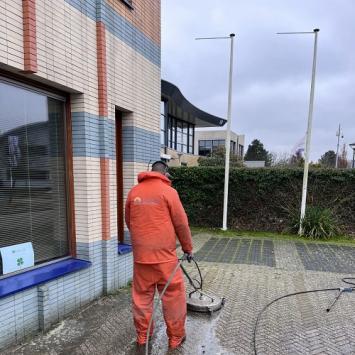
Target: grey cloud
272,73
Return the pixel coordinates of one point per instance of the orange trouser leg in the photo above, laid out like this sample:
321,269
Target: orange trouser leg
143,290
174,300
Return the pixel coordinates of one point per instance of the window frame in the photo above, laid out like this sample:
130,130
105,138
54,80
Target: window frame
213,144
42,89
175,128
191,135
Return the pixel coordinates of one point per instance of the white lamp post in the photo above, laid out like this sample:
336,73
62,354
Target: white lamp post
228,130
309,126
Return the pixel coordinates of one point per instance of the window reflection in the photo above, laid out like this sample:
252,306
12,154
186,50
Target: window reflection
208,146
176,134
32,172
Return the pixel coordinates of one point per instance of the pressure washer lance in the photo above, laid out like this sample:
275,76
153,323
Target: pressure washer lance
348,280
341,291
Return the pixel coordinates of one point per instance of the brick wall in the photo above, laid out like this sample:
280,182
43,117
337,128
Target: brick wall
11,34
106,56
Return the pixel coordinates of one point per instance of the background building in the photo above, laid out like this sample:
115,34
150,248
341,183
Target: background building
254,163
207,141
178,122
79,118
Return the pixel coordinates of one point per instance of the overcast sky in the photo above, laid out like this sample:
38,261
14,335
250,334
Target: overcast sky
272,73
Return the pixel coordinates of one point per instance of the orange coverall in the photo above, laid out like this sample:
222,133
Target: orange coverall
155,216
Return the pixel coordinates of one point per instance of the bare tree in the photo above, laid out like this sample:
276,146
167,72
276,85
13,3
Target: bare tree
343,158
280,159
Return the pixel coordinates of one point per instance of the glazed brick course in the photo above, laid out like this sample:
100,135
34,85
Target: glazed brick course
145,16
119,24
101,68
29,36
95,137
105,198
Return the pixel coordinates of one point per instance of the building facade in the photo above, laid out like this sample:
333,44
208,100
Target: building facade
178,122
80,96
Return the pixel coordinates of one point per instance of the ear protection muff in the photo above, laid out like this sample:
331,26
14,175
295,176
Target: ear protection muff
163,163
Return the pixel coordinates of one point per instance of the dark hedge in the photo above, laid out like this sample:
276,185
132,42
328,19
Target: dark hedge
263,199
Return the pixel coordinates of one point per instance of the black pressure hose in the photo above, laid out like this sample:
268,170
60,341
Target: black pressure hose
347,280
191,281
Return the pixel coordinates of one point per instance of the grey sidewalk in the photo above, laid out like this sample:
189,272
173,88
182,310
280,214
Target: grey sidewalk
249,273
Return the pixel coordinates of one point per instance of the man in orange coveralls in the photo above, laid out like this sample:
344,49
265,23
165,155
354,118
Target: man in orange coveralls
155,216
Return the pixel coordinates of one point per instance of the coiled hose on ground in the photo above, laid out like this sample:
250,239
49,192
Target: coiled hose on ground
347,280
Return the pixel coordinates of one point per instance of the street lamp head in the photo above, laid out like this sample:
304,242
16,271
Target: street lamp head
352,146
316,30
232,35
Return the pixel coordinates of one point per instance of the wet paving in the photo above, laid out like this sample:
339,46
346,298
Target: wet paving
248,280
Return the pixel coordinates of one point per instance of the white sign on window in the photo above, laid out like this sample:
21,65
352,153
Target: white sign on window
17,257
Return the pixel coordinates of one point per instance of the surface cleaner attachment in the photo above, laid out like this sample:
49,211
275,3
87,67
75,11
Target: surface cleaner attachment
198,300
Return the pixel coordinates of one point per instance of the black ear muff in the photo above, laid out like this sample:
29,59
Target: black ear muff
162,163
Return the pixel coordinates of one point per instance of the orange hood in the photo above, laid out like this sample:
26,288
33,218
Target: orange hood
153,175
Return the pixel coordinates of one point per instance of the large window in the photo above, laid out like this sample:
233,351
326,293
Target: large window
241,150
33,206
208,146
176,134
180,135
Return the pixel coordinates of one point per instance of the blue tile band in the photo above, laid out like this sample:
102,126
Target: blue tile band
119,27
140,145
94,137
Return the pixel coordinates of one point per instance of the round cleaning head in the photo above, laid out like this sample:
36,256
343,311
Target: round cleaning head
200,302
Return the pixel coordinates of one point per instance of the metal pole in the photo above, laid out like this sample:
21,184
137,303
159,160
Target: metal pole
353,158
337,155
228,129
228,135
309,133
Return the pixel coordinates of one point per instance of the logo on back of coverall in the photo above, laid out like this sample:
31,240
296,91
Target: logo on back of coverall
147,201
137,200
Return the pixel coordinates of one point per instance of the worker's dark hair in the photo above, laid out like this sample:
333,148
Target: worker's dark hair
160,166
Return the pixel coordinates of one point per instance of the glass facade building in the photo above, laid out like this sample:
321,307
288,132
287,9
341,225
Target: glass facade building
179,120
176,133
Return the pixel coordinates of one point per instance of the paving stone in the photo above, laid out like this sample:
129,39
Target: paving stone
325,257
237,251
294,325
287,257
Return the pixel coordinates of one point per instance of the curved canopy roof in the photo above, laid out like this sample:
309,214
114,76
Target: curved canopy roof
181,108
